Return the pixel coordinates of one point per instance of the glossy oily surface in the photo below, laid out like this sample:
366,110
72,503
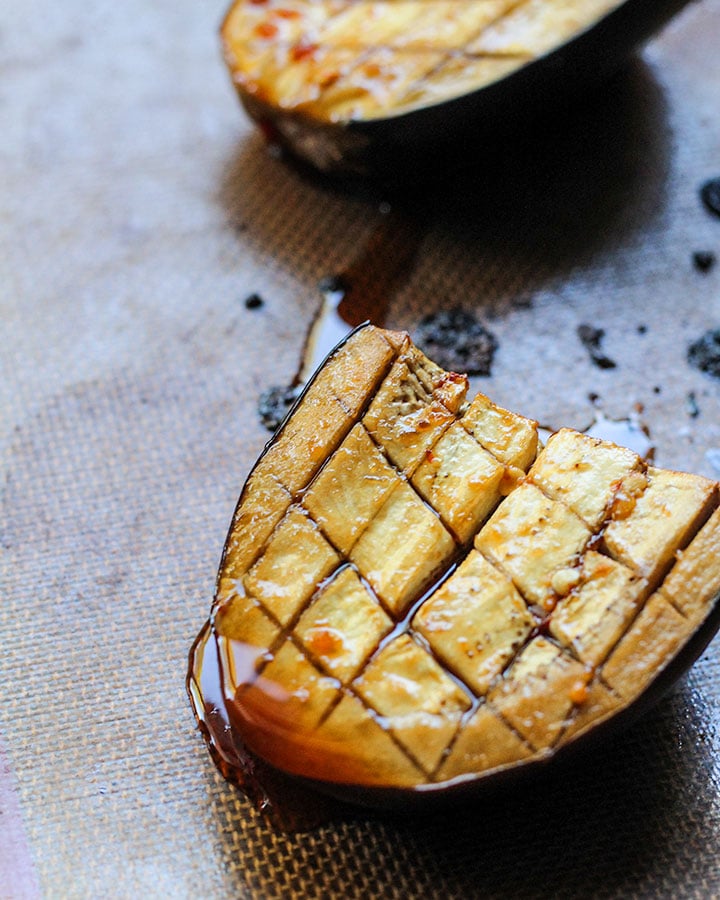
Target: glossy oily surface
143,208
414,594
306,70
344,61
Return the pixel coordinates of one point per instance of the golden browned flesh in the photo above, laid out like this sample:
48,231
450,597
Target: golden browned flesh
337,61
411,593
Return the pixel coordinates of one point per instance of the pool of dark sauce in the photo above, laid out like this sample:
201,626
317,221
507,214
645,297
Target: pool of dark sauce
361,292
282,801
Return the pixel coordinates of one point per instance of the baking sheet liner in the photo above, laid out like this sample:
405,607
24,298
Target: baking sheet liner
139,210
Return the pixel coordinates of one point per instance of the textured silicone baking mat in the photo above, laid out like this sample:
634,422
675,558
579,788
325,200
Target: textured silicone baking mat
139,210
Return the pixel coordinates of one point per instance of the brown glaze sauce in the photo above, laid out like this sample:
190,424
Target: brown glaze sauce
364,290
281,800
220,670
360,293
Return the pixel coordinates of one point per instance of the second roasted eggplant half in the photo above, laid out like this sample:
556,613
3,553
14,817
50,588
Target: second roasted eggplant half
352,85
415,598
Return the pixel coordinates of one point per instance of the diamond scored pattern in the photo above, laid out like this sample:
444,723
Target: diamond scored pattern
462,680
340,60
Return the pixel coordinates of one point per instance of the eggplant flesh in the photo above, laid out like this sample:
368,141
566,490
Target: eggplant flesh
349,84
416,598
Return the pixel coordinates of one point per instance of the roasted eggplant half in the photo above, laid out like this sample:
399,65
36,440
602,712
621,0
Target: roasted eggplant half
416,599
367,86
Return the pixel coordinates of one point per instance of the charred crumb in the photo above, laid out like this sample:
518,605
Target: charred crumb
693,410
593,398
274,404
703,260
602,361
657,389
710,195
456,340
642,329
591,339
254,301
704,353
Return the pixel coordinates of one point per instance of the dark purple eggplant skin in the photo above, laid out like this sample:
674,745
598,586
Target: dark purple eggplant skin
471,788
410,145
296,806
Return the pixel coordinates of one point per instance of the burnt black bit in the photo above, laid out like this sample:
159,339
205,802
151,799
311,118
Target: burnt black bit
642,329
704,353
710,195
591,338
704,260
657,389
254,301
593,398
457,340
274,404
693,410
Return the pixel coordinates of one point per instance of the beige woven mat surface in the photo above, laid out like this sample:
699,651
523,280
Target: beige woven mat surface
138,211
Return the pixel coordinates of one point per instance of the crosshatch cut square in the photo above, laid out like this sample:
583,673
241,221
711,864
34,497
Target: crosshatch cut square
475,622
460,480
408,415
343,625
511,438
583,472
531,537
402,549
536,695
421,704
351,488
295,560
